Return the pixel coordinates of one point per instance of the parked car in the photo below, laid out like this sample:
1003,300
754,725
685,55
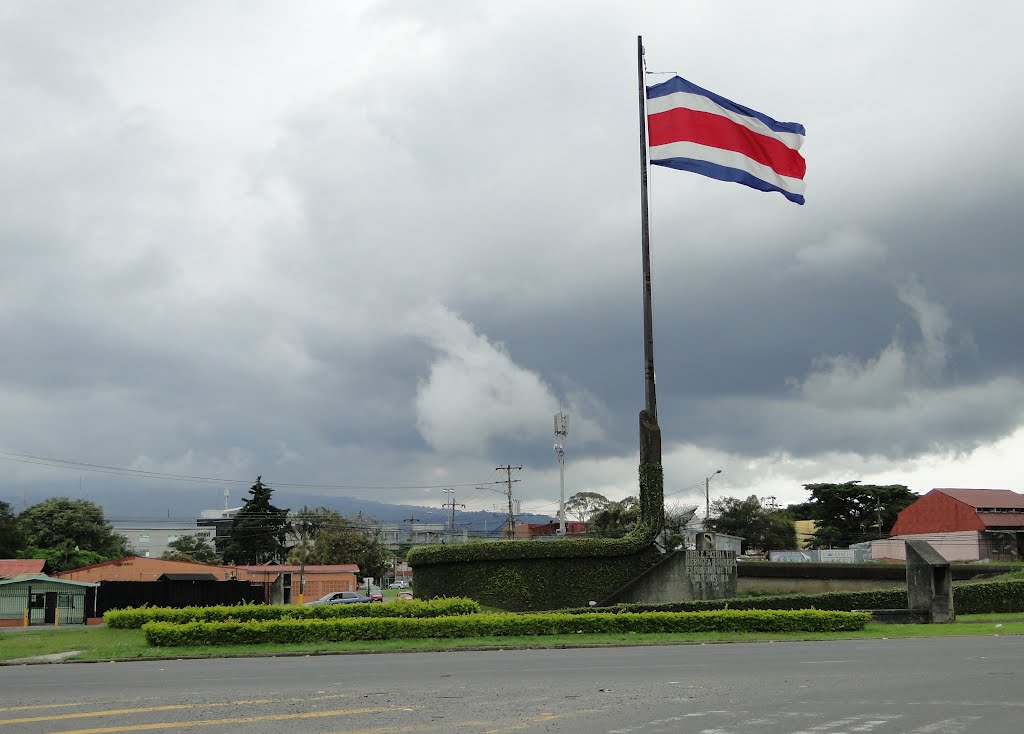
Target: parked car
398,585
376,594
339,597
403,596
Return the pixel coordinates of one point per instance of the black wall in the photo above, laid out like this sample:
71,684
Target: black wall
123,594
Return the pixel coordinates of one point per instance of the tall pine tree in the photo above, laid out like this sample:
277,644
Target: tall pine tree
259,530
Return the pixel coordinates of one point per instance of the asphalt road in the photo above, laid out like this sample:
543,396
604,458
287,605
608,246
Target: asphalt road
907,686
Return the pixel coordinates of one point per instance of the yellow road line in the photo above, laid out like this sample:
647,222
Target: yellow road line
417,729
233,720
525,724
150,709
39,706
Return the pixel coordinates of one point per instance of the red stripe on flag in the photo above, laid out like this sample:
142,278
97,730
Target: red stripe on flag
705,128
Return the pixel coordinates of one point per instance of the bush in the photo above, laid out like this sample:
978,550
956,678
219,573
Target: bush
290,631
988,597
975,598
135,618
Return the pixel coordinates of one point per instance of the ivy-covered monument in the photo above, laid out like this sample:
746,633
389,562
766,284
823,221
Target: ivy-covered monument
521,576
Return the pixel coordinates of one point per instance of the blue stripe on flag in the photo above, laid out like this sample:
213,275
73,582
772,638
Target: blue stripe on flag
725,173
678,84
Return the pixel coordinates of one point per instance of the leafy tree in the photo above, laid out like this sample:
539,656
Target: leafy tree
761,529
852,512
68,526
11,539
583,505
331,539
259,530
64,558
615,519
800,511
192,548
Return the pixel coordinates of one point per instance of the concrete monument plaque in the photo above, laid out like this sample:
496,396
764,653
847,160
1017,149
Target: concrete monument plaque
683,575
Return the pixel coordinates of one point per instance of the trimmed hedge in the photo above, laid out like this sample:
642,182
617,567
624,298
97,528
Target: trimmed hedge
988,597
135,618
977,598
518,575
289,631
866,571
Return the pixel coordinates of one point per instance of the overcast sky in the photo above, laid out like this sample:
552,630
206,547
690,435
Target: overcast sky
379,244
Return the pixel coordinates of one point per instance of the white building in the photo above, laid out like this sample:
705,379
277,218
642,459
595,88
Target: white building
153,539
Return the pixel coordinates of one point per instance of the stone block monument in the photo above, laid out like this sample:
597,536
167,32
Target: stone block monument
929,582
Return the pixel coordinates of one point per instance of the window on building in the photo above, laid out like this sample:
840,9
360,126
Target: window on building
143,538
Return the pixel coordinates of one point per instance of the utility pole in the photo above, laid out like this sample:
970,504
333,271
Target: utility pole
412,528
561,430
707,498
450,493
453,504
302,558
511,512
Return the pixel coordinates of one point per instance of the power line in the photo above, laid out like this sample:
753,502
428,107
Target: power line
22,458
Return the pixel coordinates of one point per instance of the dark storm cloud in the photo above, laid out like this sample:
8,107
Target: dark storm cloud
387,253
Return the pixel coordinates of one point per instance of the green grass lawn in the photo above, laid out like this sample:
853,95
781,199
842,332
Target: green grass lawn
101,643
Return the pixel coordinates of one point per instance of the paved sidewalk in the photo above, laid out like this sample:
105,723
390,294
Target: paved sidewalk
57,657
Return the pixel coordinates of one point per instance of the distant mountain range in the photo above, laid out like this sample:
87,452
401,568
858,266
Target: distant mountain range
132,505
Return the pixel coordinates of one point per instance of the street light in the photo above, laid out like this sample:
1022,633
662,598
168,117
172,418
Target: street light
707,497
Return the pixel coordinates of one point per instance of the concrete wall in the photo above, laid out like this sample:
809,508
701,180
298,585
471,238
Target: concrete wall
959,546
683,576
747,584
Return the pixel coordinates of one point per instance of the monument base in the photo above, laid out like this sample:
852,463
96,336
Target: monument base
683,575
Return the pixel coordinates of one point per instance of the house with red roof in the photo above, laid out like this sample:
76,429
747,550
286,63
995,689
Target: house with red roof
11,567
961,524
283,582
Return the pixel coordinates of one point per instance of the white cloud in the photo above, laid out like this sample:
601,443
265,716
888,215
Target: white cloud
890,379
474,393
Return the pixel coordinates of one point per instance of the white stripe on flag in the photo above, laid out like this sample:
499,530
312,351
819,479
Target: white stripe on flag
700,103
726,158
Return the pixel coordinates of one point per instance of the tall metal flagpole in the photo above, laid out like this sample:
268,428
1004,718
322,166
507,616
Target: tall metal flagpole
650,435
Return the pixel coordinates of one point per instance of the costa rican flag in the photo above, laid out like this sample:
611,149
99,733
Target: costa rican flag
692,129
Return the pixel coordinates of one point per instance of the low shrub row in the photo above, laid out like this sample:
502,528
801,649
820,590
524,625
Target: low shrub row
290,631
988,597
968,598
135,618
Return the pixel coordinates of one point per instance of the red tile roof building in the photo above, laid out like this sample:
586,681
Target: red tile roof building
962,524
11,567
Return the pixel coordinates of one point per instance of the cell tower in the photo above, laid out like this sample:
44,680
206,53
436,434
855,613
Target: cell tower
561,431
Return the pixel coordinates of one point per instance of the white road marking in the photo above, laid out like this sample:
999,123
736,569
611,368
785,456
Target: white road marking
853,723
956,725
